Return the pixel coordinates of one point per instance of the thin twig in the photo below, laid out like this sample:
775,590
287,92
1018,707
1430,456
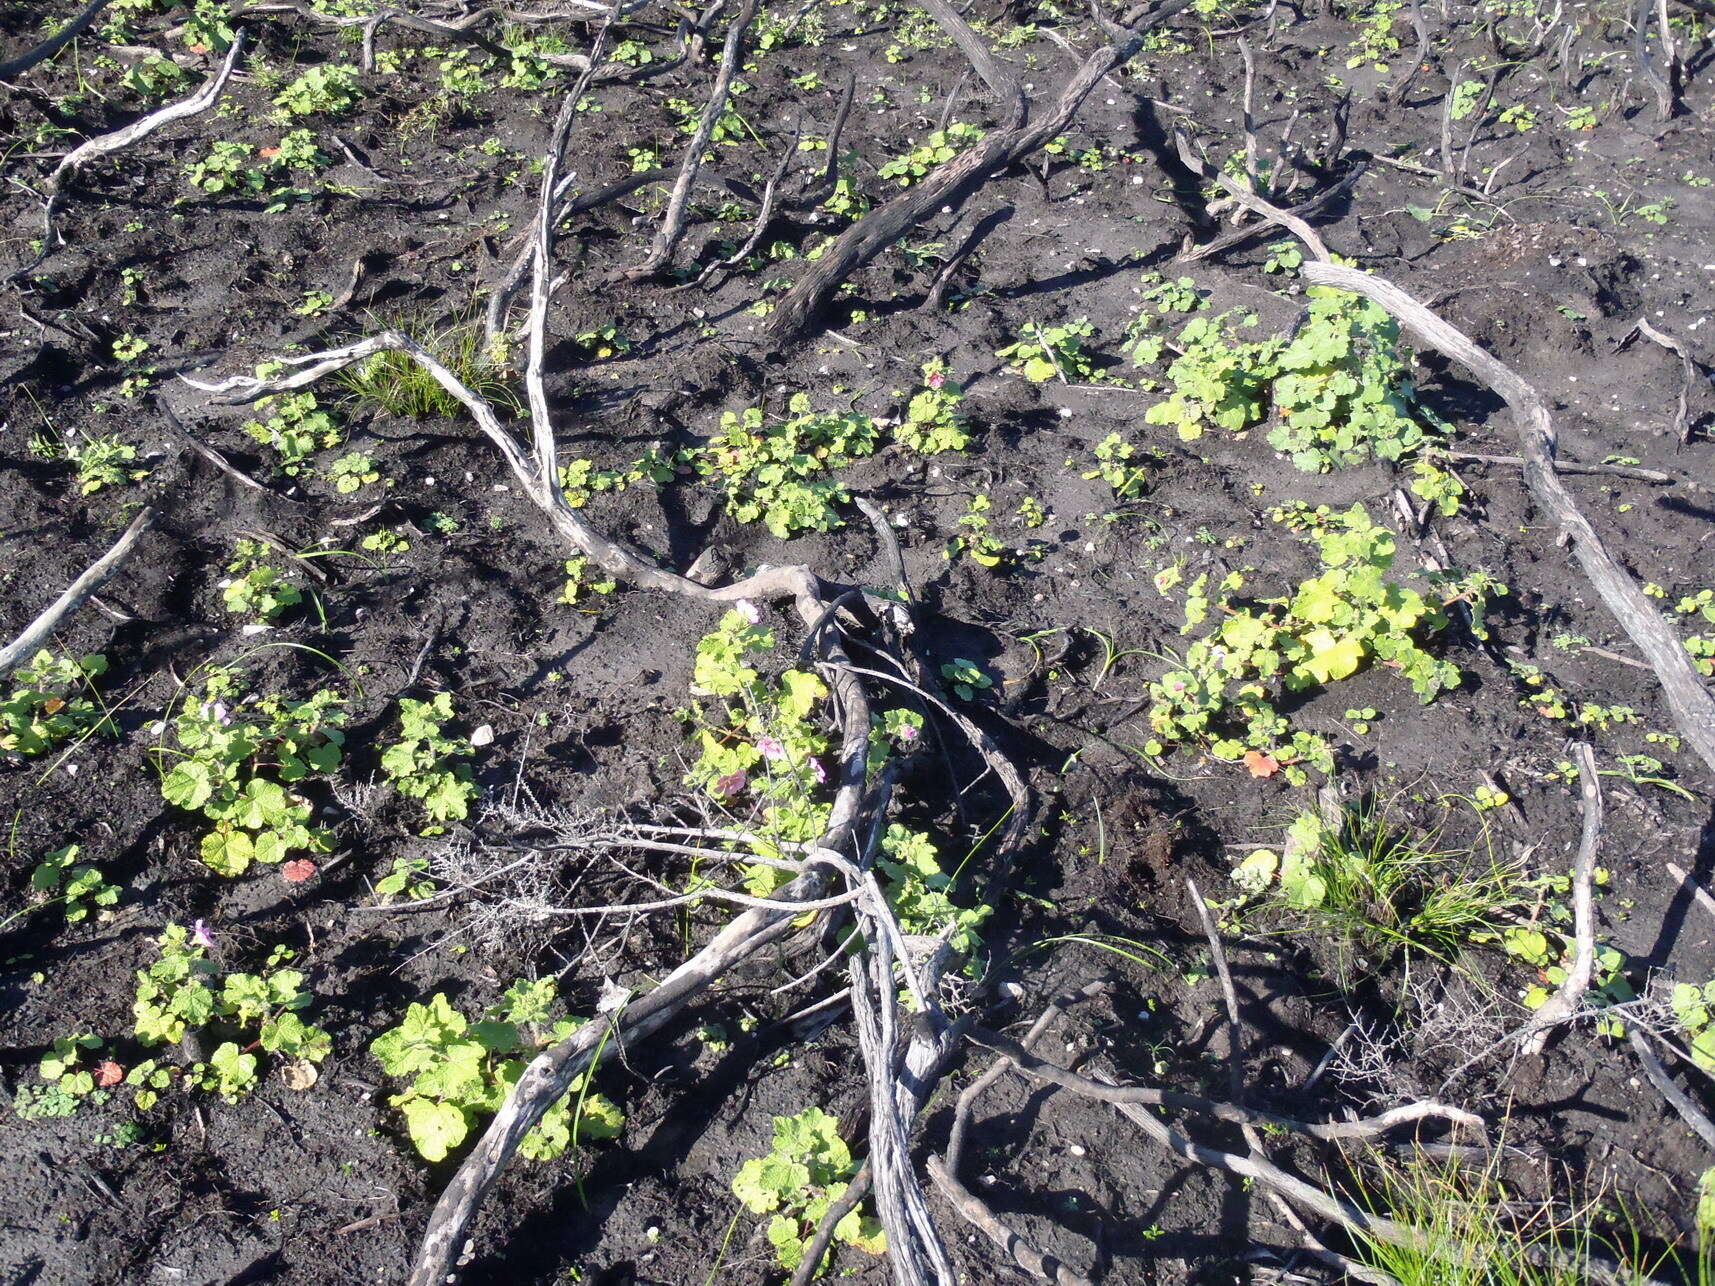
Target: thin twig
1570,996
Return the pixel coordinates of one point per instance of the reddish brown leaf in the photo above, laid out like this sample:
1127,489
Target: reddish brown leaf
298,870
1261,763
53,705
268,153
109,1073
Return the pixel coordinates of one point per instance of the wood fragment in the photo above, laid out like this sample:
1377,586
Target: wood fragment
1569,998
40,630
1689,370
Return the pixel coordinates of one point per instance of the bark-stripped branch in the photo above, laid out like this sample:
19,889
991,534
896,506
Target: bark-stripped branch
119,139
1692,706
38,631
950,185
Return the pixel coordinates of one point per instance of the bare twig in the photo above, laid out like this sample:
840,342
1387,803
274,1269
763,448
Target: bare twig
1677,1099
1250,200
209,453
1693,707
1570,997
119,139
1568,466
54,43
1688,369
38,631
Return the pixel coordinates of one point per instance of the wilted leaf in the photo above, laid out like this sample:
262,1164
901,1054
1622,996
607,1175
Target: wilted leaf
298,870
1261,763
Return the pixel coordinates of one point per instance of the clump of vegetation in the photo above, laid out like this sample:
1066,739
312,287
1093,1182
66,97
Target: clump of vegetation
1337,392
60,879
104,461
941,146
184,991
427,764
50,704
1375,881
756,737
293,424
461,1071
256,588
932,421
1043,353
807,1171
1224,691
234,760
396,383
781,473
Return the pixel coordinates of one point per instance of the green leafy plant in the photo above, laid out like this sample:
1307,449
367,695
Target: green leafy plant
755,736
425,763
409,879
226,171
461,1071
932,422
70,1081
1043,353
780,473
293,424
941,146
104,461
52,703
805,1173
966,677
329,89
1692,1008
975,540
235,759
353,471
1338,388
59,878
919,891
184,991
256,588
1333,624
1114,466
580,581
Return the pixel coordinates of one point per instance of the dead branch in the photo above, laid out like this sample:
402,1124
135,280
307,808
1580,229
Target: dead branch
1677,1099
1570,997
209,453
38,631
673,221
1666,99
1143,1096
1693,707
1302,211
1688,369
1249,199
764,212
54,43
119,139
1568,466
949,185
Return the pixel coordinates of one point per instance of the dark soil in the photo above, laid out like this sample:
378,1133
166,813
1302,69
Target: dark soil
322,1186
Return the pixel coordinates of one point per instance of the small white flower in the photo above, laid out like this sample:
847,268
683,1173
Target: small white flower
749,610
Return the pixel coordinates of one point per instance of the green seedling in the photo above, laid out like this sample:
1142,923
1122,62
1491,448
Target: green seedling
426,764
257,588
52,703
1043,353
807,1171
460,1071
966,677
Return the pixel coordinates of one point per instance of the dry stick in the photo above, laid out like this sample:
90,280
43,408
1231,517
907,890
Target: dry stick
764,213
673,221
944,278
135,132
1477,124
209,453
1417,59
1688,1111
1567,1001
1235,1113
1697,890
38,631
54,43
949,185
1249,114
945,1170
1238,236
1448,174
1568,466
1688,366
1250,200
1693,707
1665,99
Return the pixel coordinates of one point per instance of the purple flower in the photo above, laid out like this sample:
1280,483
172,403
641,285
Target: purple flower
908,732
217,711
771,749
728,786
201,936
749,610
820,772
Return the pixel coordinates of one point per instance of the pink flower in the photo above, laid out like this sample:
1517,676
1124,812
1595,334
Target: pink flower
908,732
749,610
728,786
820,772
771,749
201,935
217,711
935,380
